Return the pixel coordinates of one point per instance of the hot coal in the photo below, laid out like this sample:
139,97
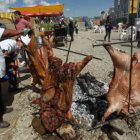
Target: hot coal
89,102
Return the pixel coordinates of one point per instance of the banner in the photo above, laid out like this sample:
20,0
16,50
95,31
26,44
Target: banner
135,6
6,15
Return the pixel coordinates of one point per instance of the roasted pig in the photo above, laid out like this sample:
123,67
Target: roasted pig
118,94
57,81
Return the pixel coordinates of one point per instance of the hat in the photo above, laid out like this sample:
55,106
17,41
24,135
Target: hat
71,19
25,39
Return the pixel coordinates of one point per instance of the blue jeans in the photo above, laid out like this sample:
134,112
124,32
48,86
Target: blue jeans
138,38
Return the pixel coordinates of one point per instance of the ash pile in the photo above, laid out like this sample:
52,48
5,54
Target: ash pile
89,100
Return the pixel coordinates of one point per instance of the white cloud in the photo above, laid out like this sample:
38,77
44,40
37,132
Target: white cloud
57,2
43,2
29,2
4,7
12,1
67,9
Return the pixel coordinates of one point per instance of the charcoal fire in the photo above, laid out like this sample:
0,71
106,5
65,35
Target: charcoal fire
57,82
88,100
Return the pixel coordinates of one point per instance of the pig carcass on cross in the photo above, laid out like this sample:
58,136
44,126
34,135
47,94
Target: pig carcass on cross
57,81
118,94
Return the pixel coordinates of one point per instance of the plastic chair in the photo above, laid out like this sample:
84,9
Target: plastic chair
123,35
95,29
120,29
133,34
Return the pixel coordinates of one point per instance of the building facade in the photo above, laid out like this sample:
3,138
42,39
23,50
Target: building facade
111,13
121,9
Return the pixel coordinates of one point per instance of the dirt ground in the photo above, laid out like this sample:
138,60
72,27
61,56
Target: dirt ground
99,68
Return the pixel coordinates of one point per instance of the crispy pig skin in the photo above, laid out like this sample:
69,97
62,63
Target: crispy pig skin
57,80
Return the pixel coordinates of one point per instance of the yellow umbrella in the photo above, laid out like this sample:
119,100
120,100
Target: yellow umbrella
41,9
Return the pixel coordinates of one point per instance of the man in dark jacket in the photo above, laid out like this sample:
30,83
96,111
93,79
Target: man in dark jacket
71,28
108,27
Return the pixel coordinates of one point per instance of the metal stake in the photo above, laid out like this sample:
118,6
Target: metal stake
113,43
68,52
78,53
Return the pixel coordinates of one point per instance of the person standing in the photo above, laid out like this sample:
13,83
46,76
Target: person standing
71,28
108,27
6,33
20,25
86,25
138,31
10,50
76,27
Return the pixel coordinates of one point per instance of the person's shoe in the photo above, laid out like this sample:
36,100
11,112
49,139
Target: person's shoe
4,124
109,40
8,110
22,63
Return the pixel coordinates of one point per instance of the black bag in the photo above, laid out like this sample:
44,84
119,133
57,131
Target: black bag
2,25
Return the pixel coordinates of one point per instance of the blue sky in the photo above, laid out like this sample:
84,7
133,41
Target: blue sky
71,7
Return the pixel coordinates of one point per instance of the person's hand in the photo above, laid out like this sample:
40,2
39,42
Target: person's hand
26,31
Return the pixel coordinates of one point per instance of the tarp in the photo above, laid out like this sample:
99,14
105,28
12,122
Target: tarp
41,9
41,14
